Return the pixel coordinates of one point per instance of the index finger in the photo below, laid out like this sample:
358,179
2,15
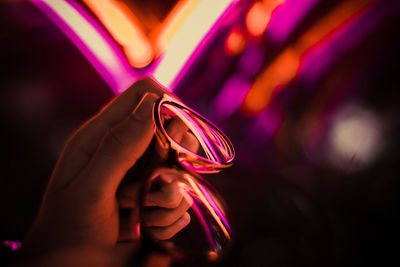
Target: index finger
84,142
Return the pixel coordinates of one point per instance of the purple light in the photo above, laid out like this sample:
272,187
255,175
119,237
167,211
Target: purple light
94,43
323,56
12,245
286,17
231,96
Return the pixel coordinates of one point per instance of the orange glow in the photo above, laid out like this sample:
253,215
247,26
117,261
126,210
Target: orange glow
280,72
212,255
235,42
258,16
285,67
125,29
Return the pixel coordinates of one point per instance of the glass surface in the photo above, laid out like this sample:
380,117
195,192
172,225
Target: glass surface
196,135
209,231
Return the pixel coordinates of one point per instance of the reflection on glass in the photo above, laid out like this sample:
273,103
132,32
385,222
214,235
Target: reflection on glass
190,144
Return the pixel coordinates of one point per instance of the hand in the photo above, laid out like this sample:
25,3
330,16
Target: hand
81,207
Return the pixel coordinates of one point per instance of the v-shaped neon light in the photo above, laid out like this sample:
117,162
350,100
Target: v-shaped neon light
184,37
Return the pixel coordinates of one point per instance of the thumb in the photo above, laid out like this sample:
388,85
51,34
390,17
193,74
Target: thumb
120,148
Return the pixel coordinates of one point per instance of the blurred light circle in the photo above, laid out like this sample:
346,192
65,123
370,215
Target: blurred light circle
355,138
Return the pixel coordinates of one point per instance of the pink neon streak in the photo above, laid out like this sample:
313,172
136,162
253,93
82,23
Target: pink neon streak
214,206
12,245
111,65
121,75
203,222
177,60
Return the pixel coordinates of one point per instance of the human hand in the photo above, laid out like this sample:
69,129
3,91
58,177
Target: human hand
81,206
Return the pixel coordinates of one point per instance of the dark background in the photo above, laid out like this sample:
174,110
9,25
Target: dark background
294,202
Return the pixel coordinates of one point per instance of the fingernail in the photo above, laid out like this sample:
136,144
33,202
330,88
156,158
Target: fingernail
144,109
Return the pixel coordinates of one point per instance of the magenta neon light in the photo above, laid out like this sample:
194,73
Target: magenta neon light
71,18
94,43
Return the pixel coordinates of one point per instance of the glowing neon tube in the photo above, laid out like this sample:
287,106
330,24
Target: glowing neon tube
188,41
91,40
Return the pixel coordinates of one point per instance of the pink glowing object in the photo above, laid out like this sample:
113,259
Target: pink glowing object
189,41
91,40
183,49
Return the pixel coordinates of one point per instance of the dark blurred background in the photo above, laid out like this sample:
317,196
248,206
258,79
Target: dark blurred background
307,91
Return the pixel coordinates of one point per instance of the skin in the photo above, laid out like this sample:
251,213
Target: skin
80,221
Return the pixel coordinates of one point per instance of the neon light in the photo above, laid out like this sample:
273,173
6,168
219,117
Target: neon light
204,224
206,203
91,40
286,17
235,42
258,16
287,64
124,28
186,44
174,21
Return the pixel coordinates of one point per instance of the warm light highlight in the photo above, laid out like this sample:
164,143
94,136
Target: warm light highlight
257,19
258,16
173,22
187,39
285,67
124,28
235,42
212,255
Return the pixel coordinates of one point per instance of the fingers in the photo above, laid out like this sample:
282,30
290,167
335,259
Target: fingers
129,226
168,196
128,195
85,141
164,233
163,217
120,148
179,132
190,142
167,216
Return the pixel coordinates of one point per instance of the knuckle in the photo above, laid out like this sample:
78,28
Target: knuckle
167,218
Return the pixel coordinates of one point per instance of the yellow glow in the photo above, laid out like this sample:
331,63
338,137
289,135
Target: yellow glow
123,26
284,68
174,21
187,38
